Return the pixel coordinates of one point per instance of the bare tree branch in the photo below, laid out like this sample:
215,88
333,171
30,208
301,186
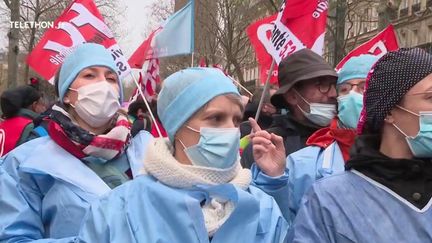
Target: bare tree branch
7,3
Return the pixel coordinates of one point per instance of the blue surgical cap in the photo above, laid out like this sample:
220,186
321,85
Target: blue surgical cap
186,91
84,56
356,67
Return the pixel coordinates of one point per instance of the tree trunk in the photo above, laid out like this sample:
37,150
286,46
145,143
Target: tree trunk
387,12
238,72
13,51
38,11
31,44
339,52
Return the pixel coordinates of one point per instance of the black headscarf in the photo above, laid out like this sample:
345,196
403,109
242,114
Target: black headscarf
388,82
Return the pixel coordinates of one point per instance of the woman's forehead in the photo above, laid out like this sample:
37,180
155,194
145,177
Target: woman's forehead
425,85
223,102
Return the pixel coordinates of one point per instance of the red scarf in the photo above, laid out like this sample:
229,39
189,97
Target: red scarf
326,136
81,143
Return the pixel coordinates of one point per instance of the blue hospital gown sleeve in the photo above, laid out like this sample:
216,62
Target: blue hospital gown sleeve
277,187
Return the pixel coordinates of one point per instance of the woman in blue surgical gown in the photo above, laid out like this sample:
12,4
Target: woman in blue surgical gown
385,194
47,184
193,188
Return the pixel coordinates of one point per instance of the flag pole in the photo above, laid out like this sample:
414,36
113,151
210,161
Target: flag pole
264,93
241,86
146,103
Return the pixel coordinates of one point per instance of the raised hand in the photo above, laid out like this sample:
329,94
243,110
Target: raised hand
268,150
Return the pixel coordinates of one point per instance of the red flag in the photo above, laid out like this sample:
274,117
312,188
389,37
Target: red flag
152,78
148,82
142,53
80,22
299,24
263,29
297,8
173,37
203,62
382,43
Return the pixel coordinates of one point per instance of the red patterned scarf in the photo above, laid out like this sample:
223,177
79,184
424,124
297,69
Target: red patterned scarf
82,143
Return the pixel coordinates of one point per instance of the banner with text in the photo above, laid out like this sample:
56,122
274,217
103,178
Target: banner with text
299,24
81,22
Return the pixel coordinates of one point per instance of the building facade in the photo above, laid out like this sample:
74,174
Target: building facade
413,24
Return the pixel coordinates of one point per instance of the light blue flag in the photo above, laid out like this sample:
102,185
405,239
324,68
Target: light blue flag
176,36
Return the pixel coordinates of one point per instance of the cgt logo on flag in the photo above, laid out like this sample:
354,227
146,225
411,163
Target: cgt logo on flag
79,23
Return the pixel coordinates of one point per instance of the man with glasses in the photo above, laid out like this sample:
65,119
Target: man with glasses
307,91
329,147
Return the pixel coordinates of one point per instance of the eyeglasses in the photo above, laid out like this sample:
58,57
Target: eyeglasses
345,88
325,86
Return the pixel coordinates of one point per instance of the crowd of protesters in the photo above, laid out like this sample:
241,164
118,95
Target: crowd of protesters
334,156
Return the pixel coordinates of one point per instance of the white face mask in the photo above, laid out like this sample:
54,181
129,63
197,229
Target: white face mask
320,114
97,103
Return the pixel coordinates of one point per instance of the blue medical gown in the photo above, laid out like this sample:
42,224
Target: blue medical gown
351,207
46,191
307,165
145,210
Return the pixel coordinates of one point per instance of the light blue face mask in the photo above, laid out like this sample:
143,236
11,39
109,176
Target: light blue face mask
349,108
216,148
421,144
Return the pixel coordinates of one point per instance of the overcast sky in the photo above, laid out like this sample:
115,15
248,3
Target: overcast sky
136,24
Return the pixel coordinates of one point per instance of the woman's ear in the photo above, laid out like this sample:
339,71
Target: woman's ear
66,100
389,119
34,105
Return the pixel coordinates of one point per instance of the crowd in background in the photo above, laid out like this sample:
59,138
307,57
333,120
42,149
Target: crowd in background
333,157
